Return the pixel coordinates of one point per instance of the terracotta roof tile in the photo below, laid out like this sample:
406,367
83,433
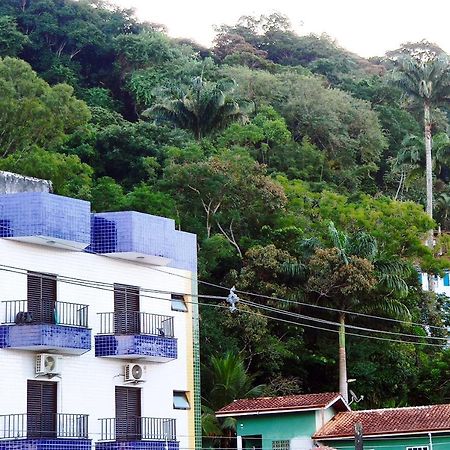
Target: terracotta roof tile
288,402
388,421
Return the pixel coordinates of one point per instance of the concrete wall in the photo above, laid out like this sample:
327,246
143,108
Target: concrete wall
87,383
295,427
11,183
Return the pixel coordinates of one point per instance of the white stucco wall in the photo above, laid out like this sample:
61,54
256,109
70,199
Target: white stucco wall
87,383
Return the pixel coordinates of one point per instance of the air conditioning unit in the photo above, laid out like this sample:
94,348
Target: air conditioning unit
134,373
48,364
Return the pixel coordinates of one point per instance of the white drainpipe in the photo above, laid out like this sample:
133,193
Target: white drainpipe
431,441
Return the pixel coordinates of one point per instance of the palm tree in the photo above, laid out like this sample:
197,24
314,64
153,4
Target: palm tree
226,380
202,107
426,81
346,275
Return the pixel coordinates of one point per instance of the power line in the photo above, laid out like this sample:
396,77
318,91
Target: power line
310,305
328,322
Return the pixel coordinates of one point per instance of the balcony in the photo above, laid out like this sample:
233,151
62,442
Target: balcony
144,239
137,433
45,219
44,432
136,335
61,330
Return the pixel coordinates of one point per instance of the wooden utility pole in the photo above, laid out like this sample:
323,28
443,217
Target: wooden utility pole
359,436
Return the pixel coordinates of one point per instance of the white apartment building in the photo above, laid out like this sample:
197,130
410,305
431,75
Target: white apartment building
99,328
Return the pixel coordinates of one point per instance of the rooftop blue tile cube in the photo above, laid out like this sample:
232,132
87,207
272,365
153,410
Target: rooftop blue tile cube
143,238
43,218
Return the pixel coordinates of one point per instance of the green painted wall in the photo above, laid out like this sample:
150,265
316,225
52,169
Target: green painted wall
274,427
439,443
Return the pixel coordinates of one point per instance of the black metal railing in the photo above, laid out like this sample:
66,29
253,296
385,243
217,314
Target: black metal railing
63,313
136,323
137,428
45,425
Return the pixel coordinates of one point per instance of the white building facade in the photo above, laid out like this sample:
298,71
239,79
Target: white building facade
99,328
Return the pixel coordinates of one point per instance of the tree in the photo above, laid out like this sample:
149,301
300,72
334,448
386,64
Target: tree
346,274
203,107
11,39
32,113
425,80
229,192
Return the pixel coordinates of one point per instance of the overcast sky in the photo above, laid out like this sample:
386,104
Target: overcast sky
368,28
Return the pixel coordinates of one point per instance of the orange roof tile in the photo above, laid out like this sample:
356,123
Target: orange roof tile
387,421
288,402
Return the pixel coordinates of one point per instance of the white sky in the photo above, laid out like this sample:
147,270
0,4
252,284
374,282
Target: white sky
366,27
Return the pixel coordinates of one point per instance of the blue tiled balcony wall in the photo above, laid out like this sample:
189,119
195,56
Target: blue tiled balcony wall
136,445
134,235
46,444
150,348
40,217
46,337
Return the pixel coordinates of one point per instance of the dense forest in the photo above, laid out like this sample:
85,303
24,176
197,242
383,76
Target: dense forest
301,167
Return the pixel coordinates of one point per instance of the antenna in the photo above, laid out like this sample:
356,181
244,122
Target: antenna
354,397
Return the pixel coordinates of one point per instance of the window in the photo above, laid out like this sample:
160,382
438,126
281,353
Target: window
41,409
178,303
126,309
424,447
180,400
281,445
41,296
447,279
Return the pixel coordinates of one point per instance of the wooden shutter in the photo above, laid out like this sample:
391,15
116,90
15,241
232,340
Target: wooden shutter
126,309
41,409
41,295
128,413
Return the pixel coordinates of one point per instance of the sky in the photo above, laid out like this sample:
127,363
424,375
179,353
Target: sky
368,28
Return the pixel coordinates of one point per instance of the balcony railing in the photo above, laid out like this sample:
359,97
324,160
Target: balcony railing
45,425
137,428
71,314
136,323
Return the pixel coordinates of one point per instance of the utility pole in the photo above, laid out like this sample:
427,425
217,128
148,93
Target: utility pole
359,436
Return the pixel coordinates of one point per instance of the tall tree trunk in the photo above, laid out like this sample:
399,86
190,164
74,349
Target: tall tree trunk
428,166
343,385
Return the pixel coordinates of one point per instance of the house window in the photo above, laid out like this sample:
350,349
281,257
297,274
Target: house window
281,445
126,309
447,279
41,409
179,303
424,447
41,296
180,400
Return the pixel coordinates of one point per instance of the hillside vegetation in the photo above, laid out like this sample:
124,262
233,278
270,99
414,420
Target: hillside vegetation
287,155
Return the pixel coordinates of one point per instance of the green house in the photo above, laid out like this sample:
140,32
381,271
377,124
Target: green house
282,423
412,428
319,421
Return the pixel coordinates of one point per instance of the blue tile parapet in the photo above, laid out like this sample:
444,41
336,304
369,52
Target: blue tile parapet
46,444
143,234
46,337
52,218
137,445
152,348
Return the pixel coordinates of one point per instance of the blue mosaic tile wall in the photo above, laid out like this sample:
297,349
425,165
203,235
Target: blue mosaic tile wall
46,444
130,231
51,335
137,445
42,214
143,345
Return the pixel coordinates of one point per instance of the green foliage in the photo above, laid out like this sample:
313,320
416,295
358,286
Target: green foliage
11,39
69,176
33,113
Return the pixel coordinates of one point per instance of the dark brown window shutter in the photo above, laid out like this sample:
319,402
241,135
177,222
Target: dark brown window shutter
41,409
128,413
41,295
126,309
